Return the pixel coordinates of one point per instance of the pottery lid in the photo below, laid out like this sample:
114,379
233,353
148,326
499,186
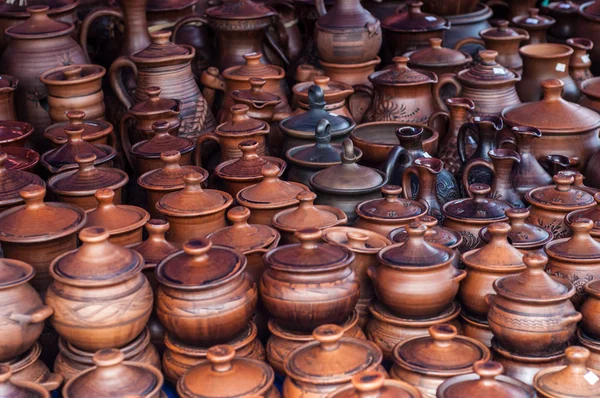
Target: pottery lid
488,71
112,377
87,178
39,221
534,284
97,262
19,389
563,7
349,176
442,353
332,358
249,166
161,142
435,234
193,200
115,218
156,247
391,207
533,20
478,207
223,374
271,191
256,95
242,236
240,9
170,176
39,25
487,381
560,116
161,48
200,265
154,104
72,74
592,213
75,145
416,251
414,20
253,68
14,272
563,195
573,380
581,246
241,123
373,383
522,235
333,91
13,181
498,252
357,240
322,152
436,55
401,75
308,215
310,255
503,31
12,131
92,129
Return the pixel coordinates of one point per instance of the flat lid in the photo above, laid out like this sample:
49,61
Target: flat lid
374,384
581,246
253,67
442,353
479,207
156,247
400,74
13,181
225,375
256,95
332,358
92,129
487,71
436,55
501,31
115,218
533,19
322,152
39,25
560,115
356,239
271,190
201,264
88,177
154,103
414,20
391,206
562,195
75,145
240,9
12,130
75,74
307,215
97,261
242,236
310,255
522,234
170,176
333,91
416,251
15,389
435,234
160,48
161,142
563,7
498,252
249,166
14,272
241,123
38,220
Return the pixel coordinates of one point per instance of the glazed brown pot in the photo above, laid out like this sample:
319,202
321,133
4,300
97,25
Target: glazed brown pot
8,86
29,367
204,295
416,279
95,131
535,24
531,313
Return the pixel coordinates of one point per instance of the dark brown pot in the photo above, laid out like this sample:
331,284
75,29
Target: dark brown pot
535,24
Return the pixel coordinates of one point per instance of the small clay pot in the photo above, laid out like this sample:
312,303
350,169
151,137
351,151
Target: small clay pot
95,131
29,367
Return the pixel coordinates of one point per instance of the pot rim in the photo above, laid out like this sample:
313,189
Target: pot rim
312,269
245,338
227,74
25,360
111,153
277,161
584,89
524,51
144,217
394,222
535,300
134,150
161,188
523,34
368,233
84,193
519,358
587,15
376,310
374,62
595,232
169,60
309,136
183,6
351,191
433,79
273,205
97,73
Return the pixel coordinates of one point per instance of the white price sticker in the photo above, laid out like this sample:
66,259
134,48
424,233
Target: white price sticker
591,377
532,21
585,58
560,67
564,6
430,18
499,71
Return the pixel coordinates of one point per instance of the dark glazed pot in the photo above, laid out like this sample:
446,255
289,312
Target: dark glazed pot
468,25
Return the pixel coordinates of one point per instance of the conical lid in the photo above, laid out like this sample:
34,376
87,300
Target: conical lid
253,68
39,221
13,181
310,255
435,233
320,152
592,213
333,91
14,272
162,49
573,380
442,353
155,104
19,389
580,247
487,381
112,377
308,215
401,75
200,265
241,123
356,239
65,154
242,236
193,200
503,31
488,71
225,375
240,9
332,358
414,20
115,218
170,176
271,191
92,129
161,142
533,20
97,262
256,96
522,235
436,55
391,207
560,116
478,207
534,284
374,384
498,253
12,131
249,166
156,247
416,251
39,25
563,195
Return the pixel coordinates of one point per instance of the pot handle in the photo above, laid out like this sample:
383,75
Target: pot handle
89,20
39,315
461,140
468,40
474,163
443,80
406,181
116,79
360,90
186,21
212,81
125,141
320,6
201,140
435,116
277,49
570,319
459,275
52,382
397,153
489,299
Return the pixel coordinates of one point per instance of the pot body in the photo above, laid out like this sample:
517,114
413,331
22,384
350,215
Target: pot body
144,165
346,201
476,330
186,228
410,104
469,230
126,238
588,26
552,220
7,104
579,273
524,369
508,52
30,368
352,74
536,69
348,45
467,25
590,323
426,384
491,100
399,43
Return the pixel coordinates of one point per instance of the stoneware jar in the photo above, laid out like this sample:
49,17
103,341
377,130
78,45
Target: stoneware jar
375,383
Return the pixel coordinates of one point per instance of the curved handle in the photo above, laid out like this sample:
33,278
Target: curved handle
203,138
39,315
435,116
489,299
443,80
52,382
277,49
474,163
320,6
570,319
187,20
89,20
125,141
468,40
406,181
116,79
460,275
395,154
461,140
359,91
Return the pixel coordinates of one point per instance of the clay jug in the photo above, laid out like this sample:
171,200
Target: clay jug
528,173
426,171
579,67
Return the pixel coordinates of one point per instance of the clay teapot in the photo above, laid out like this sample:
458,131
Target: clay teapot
95,131
438,59
261,103
375,383
12,182
535,24
579,67
13,388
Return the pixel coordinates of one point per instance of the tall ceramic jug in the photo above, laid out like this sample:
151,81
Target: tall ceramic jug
426,171
528,173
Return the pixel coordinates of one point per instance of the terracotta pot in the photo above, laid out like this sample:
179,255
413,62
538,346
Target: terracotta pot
535,24
336,95
531,313
426,171
13,181
30,368
565,14
592,345
74,87
8,86
476,330
579,67
587,26
387,330
589,311
24,238
71,360
590,213
375,382
202,309
438,59
467,25
427,361
20,388
95,131
590,91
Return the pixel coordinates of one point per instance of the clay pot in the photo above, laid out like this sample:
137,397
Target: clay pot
170,178
123,222
590,91
427,361
528,173
565,14
112,376
261,104
79,186
438,59
21,158
535,24
24,238
19,388
204,295
13,181
348,356
468,25
223,365
476,330
468,216
426,171
591,213
14,133
95,131
253,240
374,382
589,311
74,87
336,94
587,26
531,313
594,348
352,74
579,67
71,360
29,367
8,86
497,259
386,330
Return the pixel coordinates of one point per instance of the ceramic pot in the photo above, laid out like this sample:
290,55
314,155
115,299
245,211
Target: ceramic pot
587,26
29,367
535,24
261,104
95,131
591,213
20,388
589,311
593,346
426,171
336,95
8,86
13,181
565,14
479,331
438,59
467,25
579,67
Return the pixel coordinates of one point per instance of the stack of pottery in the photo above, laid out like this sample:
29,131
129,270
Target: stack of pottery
95,131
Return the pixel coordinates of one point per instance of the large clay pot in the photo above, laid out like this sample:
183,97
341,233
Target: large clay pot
468,25
535,24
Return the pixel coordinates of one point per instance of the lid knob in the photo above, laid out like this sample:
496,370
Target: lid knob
328,336
414,7
239,113
75,116
74,132
348,155
108,357
270,172
357,240
435,42
157,228
563,182
37,12
400,62
85,161
94,235
153,93
308,237
577,357
306,198
73,72
552,89
257,83
443,334
316,97
535,262
488,57
416,230
170,159
323,132
105,197
193,181
581,228
197,248
391,192
488,370
479,190
160,127
5,373
534,12
252,58
220,357
160,36
367,383
239,216
499,231
322,81
502,25
249,149
33,195
428,221
516,216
